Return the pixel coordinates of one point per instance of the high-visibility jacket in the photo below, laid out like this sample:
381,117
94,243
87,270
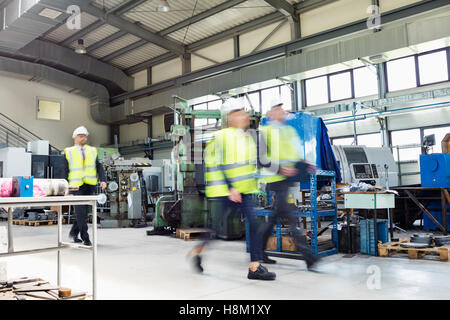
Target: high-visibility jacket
235,153
81,171
283,146
216,185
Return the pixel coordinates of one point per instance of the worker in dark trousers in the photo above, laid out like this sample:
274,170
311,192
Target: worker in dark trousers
82,168
283,153
231,175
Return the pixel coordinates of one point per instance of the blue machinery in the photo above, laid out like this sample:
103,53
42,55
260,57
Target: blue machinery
313,214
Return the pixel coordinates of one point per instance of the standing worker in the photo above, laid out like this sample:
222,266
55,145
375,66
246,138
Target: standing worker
82,167
232,174
283,148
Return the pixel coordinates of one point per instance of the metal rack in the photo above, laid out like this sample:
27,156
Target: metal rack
314,214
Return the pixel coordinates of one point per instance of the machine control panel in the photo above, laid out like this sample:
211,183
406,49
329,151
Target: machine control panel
362,171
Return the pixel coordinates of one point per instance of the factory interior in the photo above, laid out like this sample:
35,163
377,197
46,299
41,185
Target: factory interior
151,84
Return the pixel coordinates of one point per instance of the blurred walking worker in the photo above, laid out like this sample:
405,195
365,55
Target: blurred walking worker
232,175
283,152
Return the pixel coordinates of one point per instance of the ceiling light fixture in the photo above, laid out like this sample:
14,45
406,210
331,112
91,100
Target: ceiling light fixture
80,48
163,6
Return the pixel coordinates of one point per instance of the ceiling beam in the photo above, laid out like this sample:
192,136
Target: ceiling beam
307,5
246,27
281,50
80,34
201,16
284,7
107,40
127,6
206,14
118,22
122,51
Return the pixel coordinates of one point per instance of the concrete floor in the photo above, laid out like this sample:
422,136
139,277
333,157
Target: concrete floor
132,265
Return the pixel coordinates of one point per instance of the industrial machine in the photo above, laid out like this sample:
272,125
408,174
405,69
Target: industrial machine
126,195
374,166
14,162
186,205
435,168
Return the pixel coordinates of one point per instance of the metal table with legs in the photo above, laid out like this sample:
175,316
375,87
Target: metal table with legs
10,203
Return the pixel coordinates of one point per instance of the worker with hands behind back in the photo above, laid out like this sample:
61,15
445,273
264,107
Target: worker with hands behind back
283,153
82,168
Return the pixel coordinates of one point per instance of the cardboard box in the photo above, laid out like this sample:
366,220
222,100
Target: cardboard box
287,244
446,144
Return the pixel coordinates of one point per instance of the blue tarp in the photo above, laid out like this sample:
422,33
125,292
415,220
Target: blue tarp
315,142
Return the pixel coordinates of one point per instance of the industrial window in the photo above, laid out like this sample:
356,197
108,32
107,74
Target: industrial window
342,141
254,99
48,109
340,86
372,140
316,91
214,105
267,96
433,67
439,134
408,138
201,106
401,74
365,81
286,97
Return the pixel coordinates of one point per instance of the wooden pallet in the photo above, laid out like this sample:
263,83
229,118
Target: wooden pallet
195,234
36,223
391,248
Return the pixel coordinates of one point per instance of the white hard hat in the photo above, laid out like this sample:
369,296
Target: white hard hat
275,103
80,130
232,104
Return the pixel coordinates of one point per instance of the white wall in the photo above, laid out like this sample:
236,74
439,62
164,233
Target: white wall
140,79
166,70
250,40
18,102
219,52
333,15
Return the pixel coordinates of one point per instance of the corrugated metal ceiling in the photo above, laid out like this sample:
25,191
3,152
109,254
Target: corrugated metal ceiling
63,32
108,4
222,21
147,15
97,35
143,53
180,10
114,46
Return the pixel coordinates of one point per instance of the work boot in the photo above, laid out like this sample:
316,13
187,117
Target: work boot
267,260
197,263
87,243
75,238
261,274
311,264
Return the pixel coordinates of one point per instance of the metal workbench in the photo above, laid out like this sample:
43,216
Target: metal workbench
10,203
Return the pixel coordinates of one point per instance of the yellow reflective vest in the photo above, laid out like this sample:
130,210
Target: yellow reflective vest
81,172
235,153
283,146
216,186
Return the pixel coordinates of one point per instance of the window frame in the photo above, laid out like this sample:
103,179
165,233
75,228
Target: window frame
447,51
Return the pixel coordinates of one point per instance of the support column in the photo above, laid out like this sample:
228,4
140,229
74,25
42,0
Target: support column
149,76
294,23
237,49
115,135
186,63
